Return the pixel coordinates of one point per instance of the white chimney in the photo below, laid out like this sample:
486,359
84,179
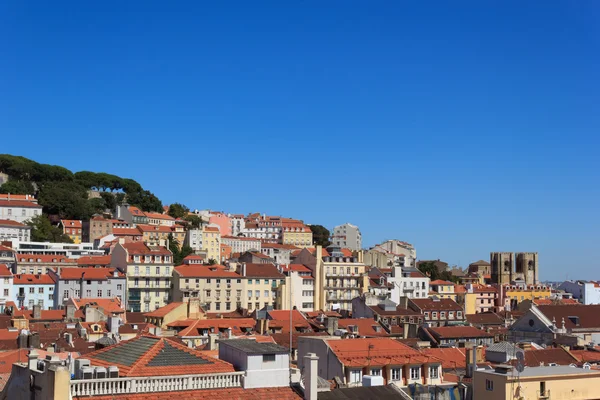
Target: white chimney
311,363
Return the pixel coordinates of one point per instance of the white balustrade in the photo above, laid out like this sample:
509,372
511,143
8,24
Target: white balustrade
110,386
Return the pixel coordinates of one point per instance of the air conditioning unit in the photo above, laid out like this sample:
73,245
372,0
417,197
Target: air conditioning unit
113,371
100,373
86,373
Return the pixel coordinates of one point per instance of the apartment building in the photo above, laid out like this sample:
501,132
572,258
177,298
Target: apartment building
149,271
160,219
296,233
10,230
587,292
347,236
30,290
41,263
72,228
299,288
98,227
19,210
280,253
211,240
223,289
89,282
240,244
6,286
131,214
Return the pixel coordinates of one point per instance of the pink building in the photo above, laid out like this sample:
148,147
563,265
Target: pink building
222,220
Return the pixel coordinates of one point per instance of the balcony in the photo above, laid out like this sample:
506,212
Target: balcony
146,299
543,394
151,384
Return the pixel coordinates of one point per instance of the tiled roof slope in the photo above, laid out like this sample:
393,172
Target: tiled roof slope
153,356
281,393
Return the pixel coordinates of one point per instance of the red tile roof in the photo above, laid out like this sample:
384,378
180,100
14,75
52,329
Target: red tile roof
457,332
112,305
280,393
141,248
4,271
164,310
440,282
195,327
89,273
451,357
440,304
43,258
154,228
559,356
71,223
19,203
94,260
211,229
31,279
136,211
126,232
488,318
591,356
263,271
8,222
375,352
142,365
588,315
159,216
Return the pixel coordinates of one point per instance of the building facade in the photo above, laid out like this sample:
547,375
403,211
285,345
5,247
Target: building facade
149,272
508,267
587,292
19,210
30,290
72,228
347,236
240,244
10,230
89,283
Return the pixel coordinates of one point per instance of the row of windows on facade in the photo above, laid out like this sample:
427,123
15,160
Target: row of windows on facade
396,373
32,290
136,270
88,293
348,270
157,259
23,212
156,283
217,305
228,293
73,231
434,314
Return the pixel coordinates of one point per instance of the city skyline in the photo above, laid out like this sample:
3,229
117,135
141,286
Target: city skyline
462,130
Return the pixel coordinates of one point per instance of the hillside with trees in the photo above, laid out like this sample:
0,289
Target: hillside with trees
64,194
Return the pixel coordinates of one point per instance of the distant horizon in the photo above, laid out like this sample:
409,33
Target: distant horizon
460,128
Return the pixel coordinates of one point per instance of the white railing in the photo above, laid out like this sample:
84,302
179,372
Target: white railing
110,386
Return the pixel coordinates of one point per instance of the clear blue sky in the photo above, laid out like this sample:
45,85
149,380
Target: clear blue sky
463,128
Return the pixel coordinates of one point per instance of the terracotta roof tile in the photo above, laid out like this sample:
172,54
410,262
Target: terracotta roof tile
162,311
89,273
31,279
281,393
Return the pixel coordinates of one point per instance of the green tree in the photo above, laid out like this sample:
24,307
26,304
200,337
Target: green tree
65,199
17,186
96,205
320,235
178,210
110,200
212,261
195,222
42,230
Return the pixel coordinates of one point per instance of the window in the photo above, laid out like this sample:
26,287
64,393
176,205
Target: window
228,306
77,293
257,293
415,372
108,294
147,270
489,385
249,293
396,374
426,314
157,270
88,293
434,315
355,375
31,290
459,314
433,372
266,293
268,357
217,306
120,287
99,293
442,314
376,371
136,270
5,292
41,290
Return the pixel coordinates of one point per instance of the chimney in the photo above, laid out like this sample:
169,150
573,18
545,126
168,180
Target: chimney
243,269
70,314
212,341
311,362
405,329
194,308
33,357
37,311
228,333
403,302
332,325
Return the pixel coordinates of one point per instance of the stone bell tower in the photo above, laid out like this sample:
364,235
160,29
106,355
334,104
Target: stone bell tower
502,267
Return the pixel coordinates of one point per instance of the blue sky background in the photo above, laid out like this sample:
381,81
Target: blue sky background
463,128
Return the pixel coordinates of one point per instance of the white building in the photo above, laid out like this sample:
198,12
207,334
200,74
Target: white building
238,224
69,250
11,230
347,236
299,288
408,282
587,292
30,290
259,361
19,210
193,238
397,247
6,286
241,244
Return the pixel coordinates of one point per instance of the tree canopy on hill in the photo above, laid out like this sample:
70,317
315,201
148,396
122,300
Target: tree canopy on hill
64,193
320,235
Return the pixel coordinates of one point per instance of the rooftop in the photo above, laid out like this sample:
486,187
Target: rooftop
249,346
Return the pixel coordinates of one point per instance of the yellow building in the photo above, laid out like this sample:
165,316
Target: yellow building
557,382
294,232
72,228
442,289
211,242
178,233
148,270
514,294
154,234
